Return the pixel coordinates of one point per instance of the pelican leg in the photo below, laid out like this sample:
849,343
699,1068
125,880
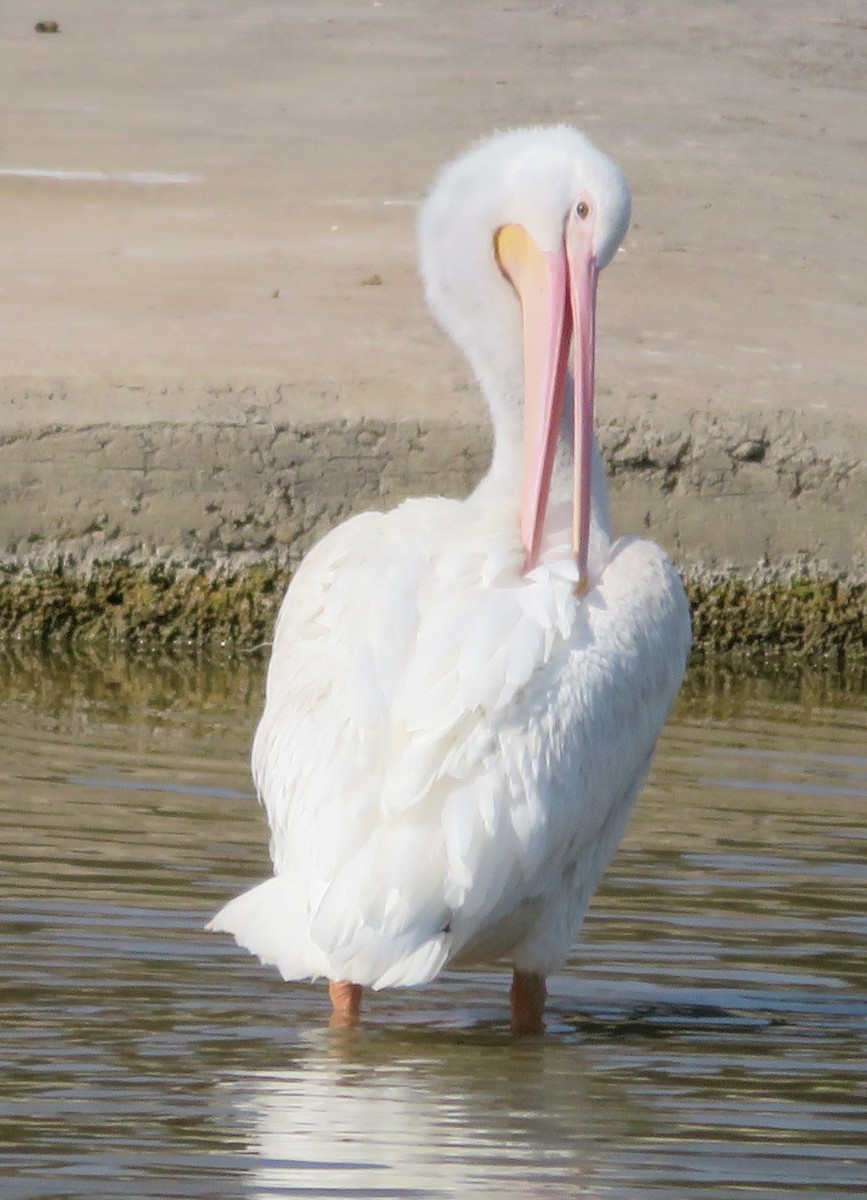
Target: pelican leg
345,1003
528,1002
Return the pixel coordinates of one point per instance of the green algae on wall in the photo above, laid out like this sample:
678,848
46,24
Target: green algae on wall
805,618
156,606
808,618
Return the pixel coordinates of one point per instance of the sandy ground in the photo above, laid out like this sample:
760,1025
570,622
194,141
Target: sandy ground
194,198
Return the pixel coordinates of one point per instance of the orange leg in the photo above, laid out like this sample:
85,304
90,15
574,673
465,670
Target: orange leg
528,1002
345,1003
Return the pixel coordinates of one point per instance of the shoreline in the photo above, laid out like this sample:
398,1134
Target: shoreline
780,618
185,535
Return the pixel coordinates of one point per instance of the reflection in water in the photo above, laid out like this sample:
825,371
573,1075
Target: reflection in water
709,1034
385,1119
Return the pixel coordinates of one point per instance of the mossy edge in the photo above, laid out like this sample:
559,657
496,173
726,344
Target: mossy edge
804,616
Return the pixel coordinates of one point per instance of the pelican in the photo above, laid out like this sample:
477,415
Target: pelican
464,697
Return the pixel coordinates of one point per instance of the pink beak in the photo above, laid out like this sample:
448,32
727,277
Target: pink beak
583,276
564,297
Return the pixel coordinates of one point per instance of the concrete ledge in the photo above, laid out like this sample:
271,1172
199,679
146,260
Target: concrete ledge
172,534
196,494
719,493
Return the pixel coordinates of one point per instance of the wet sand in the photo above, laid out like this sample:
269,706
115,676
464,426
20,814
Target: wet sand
196,203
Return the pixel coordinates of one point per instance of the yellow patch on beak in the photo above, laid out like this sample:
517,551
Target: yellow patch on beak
519,258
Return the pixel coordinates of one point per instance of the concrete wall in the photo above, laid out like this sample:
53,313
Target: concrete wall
738,490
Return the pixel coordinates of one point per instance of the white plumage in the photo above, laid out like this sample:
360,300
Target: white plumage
453,736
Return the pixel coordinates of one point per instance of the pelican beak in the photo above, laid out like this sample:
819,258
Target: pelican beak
542,281
583,275
557,290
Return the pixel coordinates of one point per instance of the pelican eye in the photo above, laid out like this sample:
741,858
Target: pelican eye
582,210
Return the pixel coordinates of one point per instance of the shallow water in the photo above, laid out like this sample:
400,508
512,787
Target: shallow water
708,1036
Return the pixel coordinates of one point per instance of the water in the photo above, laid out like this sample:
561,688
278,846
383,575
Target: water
708,1036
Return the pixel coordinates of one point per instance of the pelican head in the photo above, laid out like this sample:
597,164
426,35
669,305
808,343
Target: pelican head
511,241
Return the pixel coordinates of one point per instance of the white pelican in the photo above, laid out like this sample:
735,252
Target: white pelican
463,697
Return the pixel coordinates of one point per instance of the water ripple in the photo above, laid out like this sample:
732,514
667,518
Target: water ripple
708,1036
